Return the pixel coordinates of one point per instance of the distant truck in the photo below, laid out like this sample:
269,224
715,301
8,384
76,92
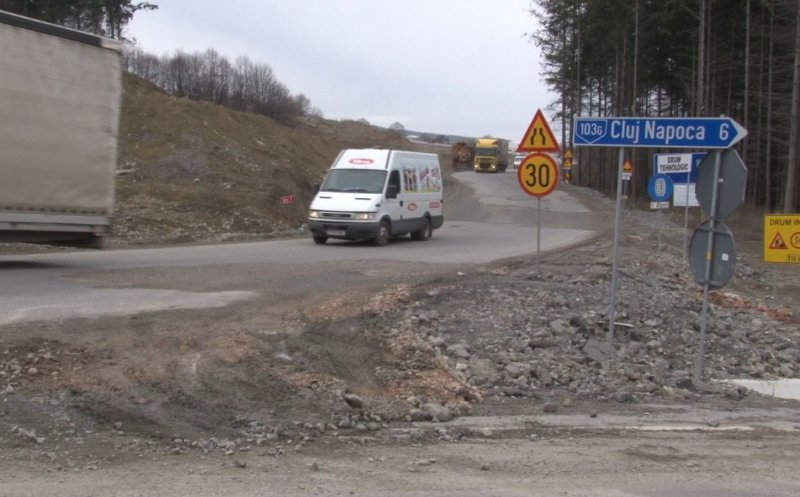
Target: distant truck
491,155
462,154
59,114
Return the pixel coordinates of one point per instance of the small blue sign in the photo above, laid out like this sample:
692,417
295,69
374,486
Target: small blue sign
660,188
657,132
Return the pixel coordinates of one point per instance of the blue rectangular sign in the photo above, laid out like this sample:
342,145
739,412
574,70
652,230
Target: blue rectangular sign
657,132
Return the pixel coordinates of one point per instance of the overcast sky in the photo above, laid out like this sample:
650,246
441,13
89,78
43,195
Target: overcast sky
463,67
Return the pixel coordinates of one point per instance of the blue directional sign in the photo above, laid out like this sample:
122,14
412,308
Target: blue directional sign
660,187
659,132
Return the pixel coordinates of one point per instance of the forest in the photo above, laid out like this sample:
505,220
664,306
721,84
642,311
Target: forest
103,17
679,58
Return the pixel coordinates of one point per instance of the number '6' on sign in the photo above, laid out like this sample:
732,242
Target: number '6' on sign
538,175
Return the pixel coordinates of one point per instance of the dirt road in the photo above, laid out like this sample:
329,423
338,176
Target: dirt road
480,380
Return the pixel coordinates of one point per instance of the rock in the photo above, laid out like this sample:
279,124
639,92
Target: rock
598,351
354,400
623,397
550,407
543,374
459,351
559,326
437,412
283,357
515,369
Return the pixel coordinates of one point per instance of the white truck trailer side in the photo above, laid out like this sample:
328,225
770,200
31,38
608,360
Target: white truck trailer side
60,95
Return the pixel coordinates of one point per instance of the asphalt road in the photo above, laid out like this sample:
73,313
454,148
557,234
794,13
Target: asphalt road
487,217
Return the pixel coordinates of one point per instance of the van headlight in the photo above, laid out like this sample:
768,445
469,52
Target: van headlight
313,213
363,216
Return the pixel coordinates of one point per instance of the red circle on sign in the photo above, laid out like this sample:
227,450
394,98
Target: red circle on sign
412,206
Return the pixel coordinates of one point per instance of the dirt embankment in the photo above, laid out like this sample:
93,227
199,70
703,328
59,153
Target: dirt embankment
193,171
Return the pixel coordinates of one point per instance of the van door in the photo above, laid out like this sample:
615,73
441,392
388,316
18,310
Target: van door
394,206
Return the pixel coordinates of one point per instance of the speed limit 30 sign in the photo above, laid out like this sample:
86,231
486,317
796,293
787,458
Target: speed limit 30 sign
538,175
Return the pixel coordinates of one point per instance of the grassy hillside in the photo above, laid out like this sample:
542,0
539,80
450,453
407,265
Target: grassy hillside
194,171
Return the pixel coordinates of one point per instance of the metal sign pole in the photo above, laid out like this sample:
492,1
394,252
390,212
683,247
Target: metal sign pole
660,215
701,348
538,226
686,217
774,283
612,313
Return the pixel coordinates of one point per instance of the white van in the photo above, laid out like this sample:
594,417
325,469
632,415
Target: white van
373,194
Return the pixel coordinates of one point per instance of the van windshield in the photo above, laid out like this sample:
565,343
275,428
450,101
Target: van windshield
354,180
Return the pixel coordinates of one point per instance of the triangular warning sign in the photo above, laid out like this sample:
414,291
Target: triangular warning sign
777,242
627,166
539,137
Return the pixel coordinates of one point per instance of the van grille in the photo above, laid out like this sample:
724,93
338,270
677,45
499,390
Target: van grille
336,215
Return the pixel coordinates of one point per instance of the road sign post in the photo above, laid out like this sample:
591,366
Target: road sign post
612,311
682,170
660,190
721,184
699,132
538,177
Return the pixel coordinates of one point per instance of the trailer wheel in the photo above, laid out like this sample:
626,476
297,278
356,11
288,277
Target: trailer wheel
425,233
383,235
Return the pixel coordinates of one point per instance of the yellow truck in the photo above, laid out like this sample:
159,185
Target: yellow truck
491,155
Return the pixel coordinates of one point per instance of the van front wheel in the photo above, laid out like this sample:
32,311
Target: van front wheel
320,240
383,235
423,234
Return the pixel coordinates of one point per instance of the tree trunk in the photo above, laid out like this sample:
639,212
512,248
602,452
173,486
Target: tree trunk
770,75
634,110
701,61
746,115
791,166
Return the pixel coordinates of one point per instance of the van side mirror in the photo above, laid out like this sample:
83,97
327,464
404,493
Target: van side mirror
392,191
317,187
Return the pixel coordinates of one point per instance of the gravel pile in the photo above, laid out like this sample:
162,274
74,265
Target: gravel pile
541,331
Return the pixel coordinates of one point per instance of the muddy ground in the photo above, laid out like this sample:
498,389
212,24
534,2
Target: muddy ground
377,375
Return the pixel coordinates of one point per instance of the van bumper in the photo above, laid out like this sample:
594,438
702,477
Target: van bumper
366,230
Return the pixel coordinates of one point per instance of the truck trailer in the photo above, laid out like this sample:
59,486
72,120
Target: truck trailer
462,154
60,95
491,155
